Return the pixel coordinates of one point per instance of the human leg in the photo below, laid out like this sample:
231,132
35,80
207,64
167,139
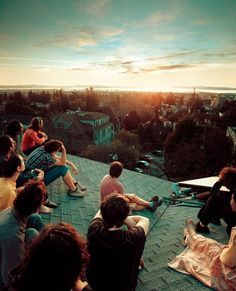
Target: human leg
216,207
141,203
55,172
35,221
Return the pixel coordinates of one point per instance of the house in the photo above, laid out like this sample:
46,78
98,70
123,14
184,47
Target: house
78,129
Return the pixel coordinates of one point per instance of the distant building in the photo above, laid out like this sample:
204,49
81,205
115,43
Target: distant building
78,129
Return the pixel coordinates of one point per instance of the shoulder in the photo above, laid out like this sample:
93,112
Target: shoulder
95,226
136,233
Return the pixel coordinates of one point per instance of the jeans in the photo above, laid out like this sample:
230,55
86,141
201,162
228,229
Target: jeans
53,173
33,226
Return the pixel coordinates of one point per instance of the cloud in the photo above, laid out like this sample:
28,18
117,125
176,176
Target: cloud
159,16
95,7
85,36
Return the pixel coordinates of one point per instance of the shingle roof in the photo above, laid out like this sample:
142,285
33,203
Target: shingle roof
164,241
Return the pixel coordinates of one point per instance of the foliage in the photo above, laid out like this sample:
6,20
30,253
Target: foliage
132,120
91,99
193,151
126,147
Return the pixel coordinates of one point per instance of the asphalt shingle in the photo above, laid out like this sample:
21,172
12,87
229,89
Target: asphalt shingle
166,224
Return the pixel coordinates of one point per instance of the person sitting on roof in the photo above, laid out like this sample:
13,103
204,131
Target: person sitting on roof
209,261
54,166
14,129
6,149
110,184
54,261
18,226
14,166
33,137
220,204
115,252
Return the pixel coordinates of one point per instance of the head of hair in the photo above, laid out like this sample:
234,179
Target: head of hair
114,210
58,254
36,123
230,180
52,146
30,199
14,128
11,165
6,143
116,169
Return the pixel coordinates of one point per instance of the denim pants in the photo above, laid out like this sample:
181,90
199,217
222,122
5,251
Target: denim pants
53,173
33,226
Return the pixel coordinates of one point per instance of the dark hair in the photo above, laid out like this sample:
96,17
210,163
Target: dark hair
35,123
11,165
6,143
52,146
54,260
14,128
230,180
114,210
115,169
30,199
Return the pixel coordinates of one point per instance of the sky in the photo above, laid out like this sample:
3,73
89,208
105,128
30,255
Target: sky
142,44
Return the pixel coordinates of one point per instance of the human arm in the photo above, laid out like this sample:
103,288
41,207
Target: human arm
137,220
36,139
61,161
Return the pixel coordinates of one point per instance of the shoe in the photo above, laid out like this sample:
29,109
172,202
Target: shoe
215,221
155,205
202,229
81,187
141,265
50,204
154,199
75,193
45,209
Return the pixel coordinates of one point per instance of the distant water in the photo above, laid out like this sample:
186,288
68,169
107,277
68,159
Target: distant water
218,90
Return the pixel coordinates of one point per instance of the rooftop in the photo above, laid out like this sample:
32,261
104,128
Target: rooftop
164,241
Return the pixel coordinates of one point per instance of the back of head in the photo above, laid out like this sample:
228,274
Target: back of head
14,128
36,123
11,165
30,199
6,144
114,210
54,261
52,146
116,169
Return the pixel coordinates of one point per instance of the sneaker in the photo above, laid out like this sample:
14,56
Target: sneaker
45,209
155,205
202,229
154,199
141,265
50,204
81,187
75,193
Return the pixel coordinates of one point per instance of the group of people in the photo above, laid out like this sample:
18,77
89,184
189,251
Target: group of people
211,262
34,256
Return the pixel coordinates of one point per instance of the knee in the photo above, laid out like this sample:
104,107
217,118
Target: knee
30,235
63,170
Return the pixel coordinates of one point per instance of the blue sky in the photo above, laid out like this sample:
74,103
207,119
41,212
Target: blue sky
149,44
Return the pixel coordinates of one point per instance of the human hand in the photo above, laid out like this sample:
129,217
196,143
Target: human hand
74,169
79,285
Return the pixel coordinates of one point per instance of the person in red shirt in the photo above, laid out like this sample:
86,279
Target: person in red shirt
33,137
